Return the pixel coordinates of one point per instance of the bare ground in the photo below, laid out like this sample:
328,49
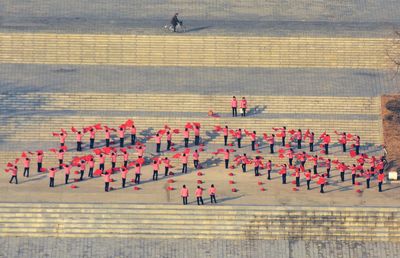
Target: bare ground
391,129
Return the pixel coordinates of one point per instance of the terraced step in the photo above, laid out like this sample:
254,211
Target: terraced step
171,50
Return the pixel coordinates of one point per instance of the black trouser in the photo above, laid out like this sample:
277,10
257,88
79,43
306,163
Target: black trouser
26,172
125,163
315,170
82,172
137,178
166,171
326,148
271,148
196,140
184,200
121,142
51,182
107,142
239,143
212,197
234,111
186,142
133,139
200,199
112,165
168,145
244,167
91,144
62,144
106,184
184,168
283,141
226,163
90,172
60,161
196,163
357,150
283,178
299,143
225,140
158,149
123,182
253,145
291,162
256,169
353,179
344,147
380,186
311,146
39,166
243,112
78,146
302,163
328,172
308,184
368,182
342,176
12,178
269,174
322,188
101,166
66,178
297,181
155,175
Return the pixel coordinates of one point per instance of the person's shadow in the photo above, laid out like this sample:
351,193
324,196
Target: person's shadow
198,28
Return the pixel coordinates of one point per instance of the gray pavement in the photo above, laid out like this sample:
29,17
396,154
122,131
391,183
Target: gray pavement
239,81
122,247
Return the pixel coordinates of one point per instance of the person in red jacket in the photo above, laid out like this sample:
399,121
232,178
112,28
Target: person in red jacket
225,131
243,106
353,174
297,175
113,159
91,167
169,140
184,160
239,137
226,157
342,169
328,168
137,173
82,167
121,134
212,192
52,173
327,140
166,165
156,168
290,155
79,137
299,137
27,163
311,141
381,177
271,141
60,157
158,143
124,172
315,164
283,135
322,182
199,195
67,171
185,194
108,137
196,159
269,168
283,172
343,141
40,156
234,106
196,135
125,155
102,160
244,160
107,180
253,137
367,174
308,178
133,135
14,173
186,137
92,133
63,137
257,164
357,144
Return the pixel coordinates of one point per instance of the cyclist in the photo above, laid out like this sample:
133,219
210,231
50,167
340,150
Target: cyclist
175,21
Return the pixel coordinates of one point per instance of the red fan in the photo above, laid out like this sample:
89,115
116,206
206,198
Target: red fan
136,188
295,189
176,131
170,188
170,181
98,172
129,123
359,191
73,129
231,182
73,187
176,156
234,190
98,127
231,174
199,182
217,128
259,183
196,124
199,173
189,126
56,134
262,189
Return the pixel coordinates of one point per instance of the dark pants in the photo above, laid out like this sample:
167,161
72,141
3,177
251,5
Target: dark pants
39,166
253,145
299,144
123,182
322,188
184,200
26,172
200,200
184,168
186,142
269,175
290,162
60,161
12,178
91,144
196,163
82,172
297,181
326,148
212,197
78,146
227,163
166,171
66,178
311,146
283,141
342,176
380,186
353,179
256,169
101,167
239,143
196,140
357,150
90,172
51,182
244,167
158,149
308,184
283,178
271,148
112,165
344,147
225,140
302,163
137,178
155,175
368,182
168,145
121,142
315,170
106,185
107,142
243,112
328,172
234,111
62,144
133,139
125,163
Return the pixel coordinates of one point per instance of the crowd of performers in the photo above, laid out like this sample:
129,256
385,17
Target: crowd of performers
295,148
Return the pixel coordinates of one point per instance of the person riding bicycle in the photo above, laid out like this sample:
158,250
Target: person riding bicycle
175,21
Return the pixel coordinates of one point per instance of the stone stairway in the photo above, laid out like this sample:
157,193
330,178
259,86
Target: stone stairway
209,222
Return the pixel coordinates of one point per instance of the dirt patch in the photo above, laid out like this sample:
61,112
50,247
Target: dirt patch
391,129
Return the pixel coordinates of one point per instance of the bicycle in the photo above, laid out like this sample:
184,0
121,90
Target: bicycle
180,28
